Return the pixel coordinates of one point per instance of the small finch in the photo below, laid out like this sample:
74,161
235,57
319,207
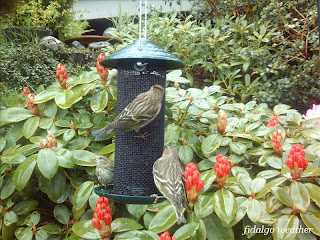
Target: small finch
104,170
137,114
168,175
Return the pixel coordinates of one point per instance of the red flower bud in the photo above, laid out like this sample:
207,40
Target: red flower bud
296,161
96,223
189,183
166,236
103,72
51,141
62,75
200,185
25,91
274,121
222,121
289,162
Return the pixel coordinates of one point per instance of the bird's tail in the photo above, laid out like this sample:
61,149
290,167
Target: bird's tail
180,216
100,133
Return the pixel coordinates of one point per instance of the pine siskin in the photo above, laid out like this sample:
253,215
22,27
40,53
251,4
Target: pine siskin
168,175
137,114
104,170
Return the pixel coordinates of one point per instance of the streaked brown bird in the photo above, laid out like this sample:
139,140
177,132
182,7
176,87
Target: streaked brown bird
104,170
137,114
168,175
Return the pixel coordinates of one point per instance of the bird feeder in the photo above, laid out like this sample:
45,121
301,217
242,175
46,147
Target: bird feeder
140,66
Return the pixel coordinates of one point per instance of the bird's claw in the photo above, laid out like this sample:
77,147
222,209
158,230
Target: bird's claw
143,136
157,197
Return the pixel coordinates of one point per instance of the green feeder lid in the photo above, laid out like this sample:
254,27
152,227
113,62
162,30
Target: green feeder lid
106,192
147,51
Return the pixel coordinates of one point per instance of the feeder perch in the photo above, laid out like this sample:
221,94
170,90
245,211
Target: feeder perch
140,66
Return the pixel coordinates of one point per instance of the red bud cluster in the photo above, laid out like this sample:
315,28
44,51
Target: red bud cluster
222,121
103,72
166,236
51,141
33,108
62,75
222,170
102,218
296,161
25,91
277,141
194,184
274,121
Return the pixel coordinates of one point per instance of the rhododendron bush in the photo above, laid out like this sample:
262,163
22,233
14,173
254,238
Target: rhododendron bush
246,166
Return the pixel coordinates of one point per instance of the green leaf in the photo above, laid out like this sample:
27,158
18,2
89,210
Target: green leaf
45,95
99,101
65,157
225,205
83,157
57,186
259,151
108,149
254,210
203,207
47,163
65,98
171,134
282,195
61,213
280,109
314,192
208,177
32,219
124,224
185,154
211,144
23,172
285,227
51,109
24,207
79,143
82,194
257,184
137,235
163,220
238,148
7,189
266,188
300,196
266,174
85,230
245,136
68,135
8,231
242,205
186,231
311,222
136,210
51,228
272,203
216,229
24,233
30,127
45,123
245,183
312,133
12,115
10,218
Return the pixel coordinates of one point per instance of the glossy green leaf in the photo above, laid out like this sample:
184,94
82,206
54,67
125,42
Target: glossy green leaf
82,194
266,174
300,196
51,109
108,149
136,210
311,222
30,127
314,192
51,228
254,210
208,177
312,133
65,157
57,186
163,220
273,183
185,154
68,135
282,195
171,134
186,231
124,224
45,123
85,230
7,189
225,205
285,227
83,157
216,229
242,205
45,95
99,101
32,219
61,213
245,183
257,184
137,235
12,115
47,162
10,218
238,148
23,172
42,235
24,233
25,206
273,203
65,98
211,144
79,143
203,207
